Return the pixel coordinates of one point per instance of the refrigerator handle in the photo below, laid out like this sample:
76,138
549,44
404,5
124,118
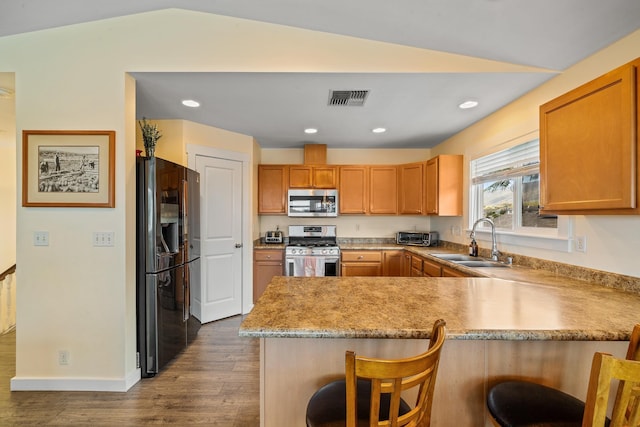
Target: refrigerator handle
185,219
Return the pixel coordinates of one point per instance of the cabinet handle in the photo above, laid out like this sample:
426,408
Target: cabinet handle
360,257
268,256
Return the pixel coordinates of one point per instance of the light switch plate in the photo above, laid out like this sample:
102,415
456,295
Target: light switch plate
103,238
40,238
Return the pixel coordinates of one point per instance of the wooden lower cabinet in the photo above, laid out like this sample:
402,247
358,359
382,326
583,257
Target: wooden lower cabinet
406,264
450,272
392,263
431,268
361,263
267,263
416,266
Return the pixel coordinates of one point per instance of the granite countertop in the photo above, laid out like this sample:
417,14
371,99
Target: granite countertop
524,269
474,308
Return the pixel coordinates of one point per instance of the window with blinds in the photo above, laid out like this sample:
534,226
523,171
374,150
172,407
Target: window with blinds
505,186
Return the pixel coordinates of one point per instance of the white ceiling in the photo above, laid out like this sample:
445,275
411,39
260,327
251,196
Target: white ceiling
419,110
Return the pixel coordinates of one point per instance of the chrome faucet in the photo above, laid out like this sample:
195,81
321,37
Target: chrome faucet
494,246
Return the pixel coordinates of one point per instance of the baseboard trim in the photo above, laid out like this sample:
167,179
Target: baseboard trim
75,384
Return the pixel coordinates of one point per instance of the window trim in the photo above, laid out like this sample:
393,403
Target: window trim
556,239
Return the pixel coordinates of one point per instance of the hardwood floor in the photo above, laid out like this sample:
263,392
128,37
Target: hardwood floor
214,382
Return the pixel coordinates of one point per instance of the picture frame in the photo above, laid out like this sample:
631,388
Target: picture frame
68,168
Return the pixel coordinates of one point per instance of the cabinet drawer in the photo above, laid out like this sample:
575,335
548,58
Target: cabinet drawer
268,255
362,256
416,263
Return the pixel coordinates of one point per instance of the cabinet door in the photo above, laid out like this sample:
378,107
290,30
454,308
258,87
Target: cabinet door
444,185
411,188
392,263
406,264
431,196
450,272
588,146
383,190
430,268
300,176
266,265
353,191
272,189
324,176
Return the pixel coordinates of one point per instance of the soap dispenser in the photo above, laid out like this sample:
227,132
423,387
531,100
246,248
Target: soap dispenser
473,248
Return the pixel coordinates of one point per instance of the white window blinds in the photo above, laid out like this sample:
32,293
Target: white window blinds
523,159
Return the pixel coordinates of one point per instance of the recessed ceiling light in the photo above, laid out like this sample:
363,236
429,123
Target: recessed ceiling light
468,104
190,103
378,130
311,130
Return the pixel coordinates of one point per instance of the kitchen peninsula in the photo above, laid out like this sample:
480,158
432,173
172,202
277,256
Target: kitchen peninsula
495,329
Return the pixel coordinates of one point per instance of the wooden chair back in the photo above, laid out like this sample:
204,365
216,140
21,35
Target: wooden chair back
633,351
626,409
394,377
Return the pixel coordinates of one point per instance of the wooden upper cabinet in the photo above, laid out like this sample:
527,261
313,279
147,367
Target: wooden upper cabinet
325,176
411,188
353,190
383,190
444,185
589,146
302,176
272,189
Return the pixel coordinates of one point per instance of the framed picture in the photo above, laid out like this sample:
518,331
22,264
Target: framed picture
63,168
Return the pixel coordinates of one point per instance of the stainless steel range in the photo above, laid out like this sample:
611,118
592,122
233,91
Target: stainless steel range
312,251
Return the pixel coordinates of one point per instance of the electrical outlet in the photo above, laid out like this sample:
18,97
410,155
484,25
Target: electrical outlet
63,357
581,243
40,238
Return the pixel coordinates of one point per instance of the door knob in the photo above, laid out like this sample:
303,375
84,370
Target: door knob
238,245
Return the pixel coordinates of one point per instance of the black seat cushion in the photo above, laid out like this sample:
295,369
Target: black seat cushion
328,406
522,403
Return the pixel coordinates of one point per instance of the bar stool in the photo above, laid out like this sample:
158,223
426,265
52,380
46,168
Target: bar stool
372,387
524,403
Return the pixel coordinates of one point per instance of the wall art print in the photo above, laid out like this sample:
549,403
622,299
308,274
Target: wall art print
68,168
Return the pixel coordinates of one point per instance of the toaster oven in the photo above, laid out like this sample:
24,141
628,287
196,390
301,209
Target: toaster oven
417,238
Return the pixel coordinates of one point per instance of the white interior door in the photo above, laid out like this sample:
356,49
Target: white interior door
221,233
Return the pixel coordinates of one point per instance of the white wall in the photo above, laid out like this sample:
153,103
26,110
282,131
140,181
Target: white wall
611,240
80,298
8,196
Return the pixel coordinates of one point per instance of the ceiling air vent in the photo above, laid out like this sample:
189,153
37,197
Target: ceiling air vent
348,97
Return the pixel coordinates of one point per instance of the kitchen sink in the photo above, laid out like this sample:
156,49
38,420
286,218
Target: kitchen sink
469,261
481,263
455,257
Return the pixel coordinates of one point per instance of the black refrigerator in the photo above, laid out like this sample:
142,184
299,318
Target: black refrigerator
168,260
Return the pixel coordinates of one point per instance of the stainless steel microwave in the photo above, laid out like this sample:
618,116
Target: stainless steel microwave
312,203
